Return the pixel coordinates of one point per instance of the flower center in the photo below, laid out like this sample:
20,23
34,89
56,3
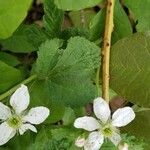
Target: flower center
107,131
14,121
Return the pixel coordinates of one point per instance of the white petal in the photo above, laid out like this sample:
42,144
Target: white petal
6,133
123,116
94,141
5,111
20,99
26,127
101,109
87,123
37,115
115,138
80,141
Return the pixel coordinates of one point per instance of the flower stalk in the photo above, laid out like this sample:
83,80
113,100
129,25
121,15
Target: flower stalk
106,48
9,92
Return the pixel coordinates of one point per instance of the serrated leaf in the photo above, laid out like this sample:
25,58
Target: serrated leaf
130,61
18,42
9,59
140,10
75,5
12,13
53,18
9,76
122,26
68,76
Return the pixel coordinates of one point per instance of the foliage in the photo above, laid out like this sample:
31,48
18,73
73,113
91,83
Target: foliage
62,49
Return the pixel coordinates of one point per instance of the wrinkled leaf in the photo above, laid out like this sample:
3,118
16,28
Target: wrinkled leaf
130,61
67,73
53,18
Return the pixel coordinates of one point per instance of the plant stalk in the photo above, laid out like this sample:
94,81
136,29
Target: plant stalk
13,89
106,48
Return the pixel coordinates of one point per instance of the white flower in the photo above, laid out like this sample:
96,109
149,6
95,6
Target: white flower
105,126
18,119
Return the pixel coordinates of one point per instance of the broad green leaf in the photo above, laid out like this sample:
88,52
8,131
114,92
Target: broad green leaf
9,59
130,61
12,13
122,26
53,18
67,73
140,10
18,42
75,4
140,126
9,76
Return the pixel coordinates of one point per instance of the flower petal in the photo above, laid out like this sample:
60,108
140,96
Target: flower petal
26,127
115,138
87,123
6,133
123,116
94,141
5,111
101,109
37,115
20,99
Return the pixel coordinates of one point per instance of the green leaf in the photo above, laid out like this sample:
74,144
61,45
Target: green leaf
55,139
67,73
122,26
12,13
141,13
82,18
18,42
140,126
130,61
36,35
39,95
75,5
53,18
9,76
9,59
74,31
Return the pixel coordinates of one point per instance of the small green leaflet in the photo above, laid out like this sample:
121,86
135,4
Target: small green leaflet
53,18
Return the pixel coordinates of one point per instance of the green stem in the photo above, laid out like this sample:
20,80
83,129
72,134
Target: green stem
13,89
